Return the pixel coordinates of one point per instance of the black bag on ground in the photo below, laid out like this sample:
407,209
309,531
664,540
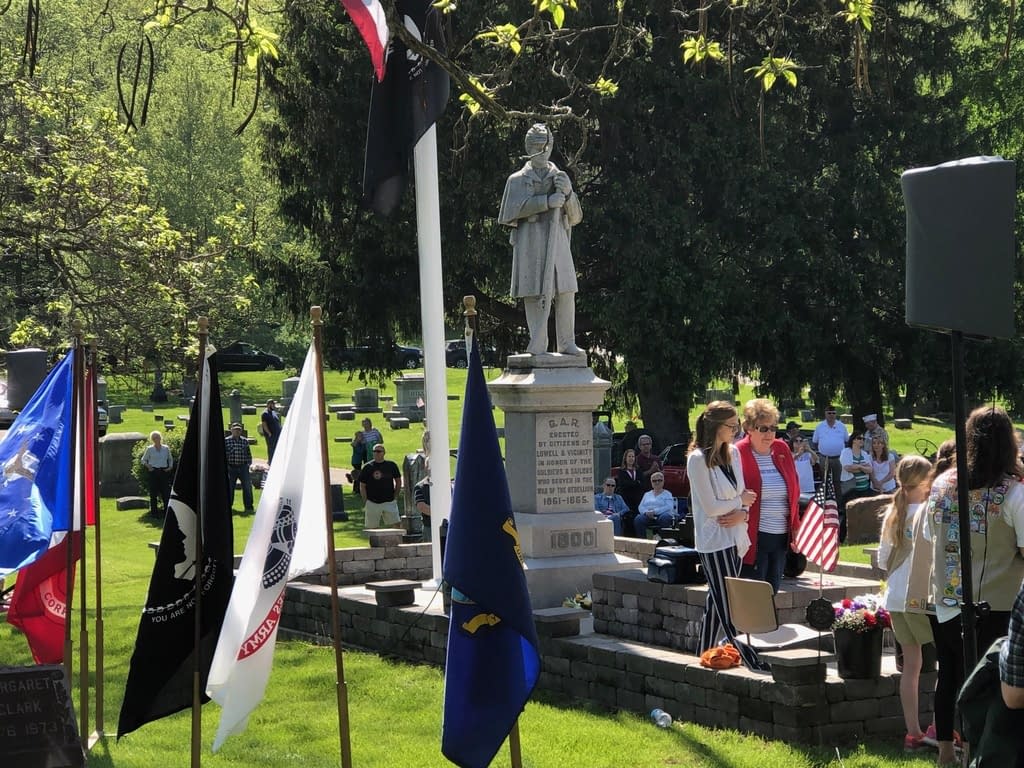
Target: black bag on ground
994,731
675,564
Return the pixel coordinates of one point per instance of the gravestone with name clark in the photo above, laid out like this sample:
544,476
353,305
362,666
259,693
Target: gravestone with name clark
37,721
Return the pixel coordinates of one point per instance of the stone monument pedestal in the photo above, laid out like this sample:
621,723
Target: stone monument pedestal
548,402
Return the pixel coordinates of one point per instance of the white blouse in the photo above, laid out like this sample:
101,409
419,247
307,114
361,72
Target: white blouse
712,494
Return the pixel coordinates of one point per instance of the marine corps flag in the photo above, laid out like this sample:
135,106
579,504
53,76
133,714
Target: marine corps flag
493,662
288,539
160,673
403,106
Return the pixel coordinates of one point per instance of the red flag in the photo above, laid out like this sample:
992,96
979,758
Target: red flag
818,537
39,604
368,16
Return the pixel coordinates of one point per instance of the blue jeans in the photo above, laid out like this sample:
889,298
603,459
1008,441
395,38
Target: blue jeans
771,557
642,521
242,473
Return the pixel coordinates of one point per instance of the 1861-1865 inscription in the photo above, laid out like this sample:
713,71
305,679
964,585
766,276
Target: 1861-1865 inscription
37,721
565,462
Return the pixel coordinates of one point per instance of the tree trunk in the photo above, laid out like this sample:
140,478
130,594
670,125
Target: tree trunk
663,418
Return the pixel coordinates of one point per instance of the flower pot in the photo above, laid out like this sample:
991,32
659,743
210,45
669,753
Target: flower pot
859,654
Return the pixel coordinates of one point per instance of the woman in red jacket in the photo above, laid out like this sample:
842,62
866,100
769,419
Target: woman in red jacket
769,470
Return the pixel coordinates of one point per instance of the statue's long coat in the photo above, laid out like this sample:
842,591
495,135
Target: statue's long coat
541,260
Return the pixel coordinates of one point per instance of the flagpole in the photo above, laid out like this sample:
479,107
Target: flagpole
81,420
435,385
93,439
316,320
514,750
76,410
197,637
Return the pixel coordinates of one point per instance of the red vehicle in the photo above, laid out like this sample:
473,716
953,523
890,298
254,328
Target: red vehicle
673,466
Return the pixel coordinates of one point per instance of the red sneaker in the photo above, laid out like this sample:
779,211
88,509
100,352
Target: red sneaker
913,743
930,739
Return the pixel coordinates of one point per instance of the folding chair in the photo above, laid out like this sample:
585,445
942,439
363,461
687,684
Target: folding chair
752,610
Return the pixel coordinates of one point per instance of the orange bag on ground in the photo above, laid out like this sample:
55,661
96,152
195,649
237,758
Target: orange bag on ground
722,657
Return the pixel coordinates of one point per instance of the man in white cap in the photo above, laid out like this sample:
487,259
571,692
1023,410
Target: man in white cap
873,430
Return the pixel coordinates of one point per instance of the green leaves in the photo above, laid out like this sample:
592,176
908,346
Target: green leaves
605,88
772,68
503,36
859,12
698,49
469,100
556,8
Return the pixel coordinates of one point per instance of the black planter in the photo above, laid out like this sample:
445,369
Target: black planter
859,654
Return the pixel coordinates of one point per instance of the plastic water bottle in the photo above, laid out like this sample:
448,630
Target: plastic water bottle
661,718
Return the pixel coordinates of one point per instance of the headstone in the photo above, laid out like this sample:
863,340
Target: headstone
26,369
235,407
288,388
115,464
409,397
101,389
712,395
114,414
365,399
548,402
806,415
38,729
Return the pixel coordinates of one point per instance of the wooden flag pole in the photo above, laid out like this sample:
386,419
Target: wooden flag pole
316,320
514,750
92,440
197,637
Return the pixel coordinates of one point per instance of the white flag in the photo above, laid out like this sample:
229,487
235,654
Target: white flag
288,539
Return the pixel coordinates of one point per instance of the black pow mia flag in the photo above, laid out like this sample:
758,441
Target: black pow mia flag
403,106
160,673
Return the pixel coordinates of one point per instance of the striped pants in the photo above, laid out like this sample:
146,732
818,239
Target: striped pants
716,625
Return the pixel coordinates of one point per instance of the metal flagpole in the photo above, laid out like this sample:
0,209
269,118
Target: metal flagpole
70,550
197,637
316,318
435,389
92,440
79,522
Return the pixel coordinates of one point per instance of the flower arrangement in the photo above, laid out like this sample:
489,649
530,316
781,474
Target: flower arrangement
579,600
860,614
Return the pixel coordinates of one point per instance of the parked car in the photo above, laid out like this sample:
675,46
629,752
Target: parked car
673,466
102,420
242,356
455,354
362,355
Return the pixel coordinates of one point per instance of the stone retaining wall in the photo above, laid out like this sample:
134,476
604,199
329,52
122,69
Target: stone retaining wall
802,702
629,606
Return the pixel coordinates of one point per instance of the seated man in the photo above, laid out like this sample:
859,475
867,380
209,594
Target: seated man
657,508
611,505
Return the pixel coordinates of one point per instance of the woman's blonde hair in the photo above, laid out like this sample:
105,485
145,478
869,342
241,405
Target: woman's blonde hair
757,410
911,472
705,434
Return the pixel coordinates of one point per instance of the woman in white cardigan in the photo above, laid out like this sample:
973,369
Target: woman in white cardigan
719,502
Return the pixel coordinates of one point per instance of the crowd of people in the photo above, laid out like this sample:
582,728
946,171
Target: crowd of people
744,499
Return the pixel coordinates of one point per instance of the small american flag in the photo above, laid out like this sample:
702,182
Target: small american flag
818,538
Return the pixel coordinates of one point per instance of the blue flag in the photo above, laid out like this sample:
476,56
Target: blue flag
36,457
493,663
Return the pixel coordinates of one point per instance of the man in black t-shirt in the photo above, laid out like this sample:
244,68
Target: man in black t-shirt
379,484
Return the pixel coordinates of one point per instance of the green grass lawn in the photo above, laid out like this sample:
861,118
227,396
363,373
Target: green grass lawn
395,708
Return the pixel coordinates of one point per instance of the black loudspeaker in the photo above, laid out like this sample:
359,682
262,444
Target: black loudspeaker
960,246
